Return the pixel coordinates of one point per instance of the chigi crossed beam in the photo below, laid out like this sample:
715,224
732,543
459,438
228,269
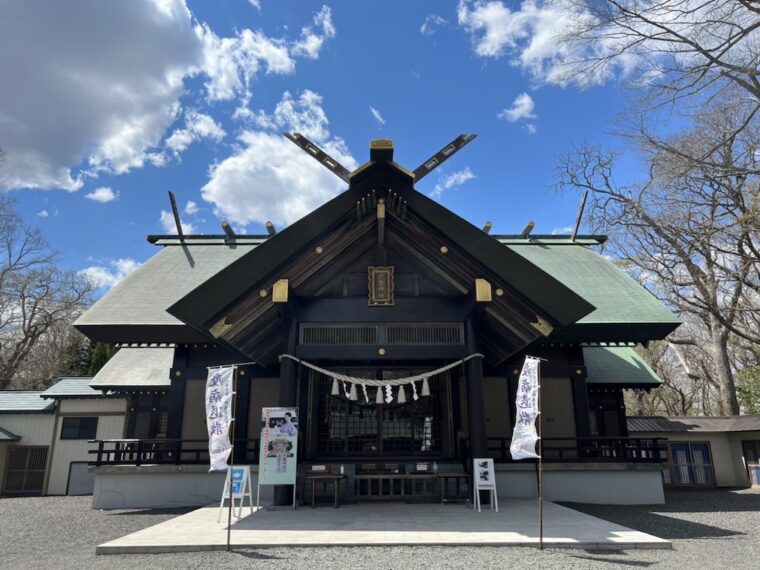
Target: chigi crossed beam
319,155
344,174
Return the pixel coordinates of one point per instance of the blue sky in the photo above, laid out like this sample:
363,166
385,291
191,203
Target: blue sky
119,102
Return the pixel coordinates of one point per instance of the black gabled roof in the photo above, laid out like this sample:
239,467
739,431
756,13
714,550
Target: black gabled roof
535,285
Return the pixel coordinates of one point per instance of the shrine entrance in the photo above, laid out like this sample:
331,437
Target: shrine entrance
370,428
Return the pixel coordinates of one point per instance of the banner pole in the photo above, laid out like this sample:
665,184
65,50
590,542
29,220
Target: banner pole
540,465
232,452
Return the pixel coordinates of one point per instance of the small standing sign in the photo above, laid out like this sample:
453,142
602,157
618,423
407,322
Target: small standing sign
237,485
484,479
278,449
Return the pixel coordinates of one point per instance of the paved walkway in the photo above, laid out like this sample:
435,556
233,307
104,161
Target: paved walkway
384,524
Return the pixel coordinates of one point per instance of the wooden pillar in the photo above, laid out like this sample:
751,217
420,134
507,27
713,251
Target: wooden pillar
580,396
476,414
283,494
242,413
456,414
176,406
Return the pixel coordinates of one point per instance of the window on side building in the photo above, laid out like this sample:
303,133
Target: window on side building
79,428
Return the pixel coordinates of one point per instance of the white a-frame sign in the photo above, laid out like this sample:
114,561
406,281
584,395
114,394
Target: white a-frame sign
237,485
484,479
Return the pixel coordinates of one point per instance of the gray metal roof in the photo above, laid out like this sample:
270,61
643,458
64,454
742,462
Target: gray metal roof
6,436
73,387
143,296
619,365
136,368
693,423
24,402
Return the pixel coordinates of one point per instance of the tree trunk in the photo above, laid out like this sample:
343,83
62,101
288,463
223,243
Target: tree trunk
730,404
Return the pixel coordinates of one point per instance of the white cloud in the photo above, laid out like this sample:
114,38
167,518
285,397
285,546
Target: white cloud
311,42
106,277
304,115
101,93
431,22
170,227
197,126
103,96
270,178
451,181
231,63
256,4
43,213
531,37
191,208
376,114
522,108
103,195
531,128
562,231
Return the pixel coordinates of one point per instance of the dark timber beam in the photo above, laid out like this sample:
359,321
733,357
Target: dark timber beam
580,395
319,155
176,405
283,494
527,229
242,413
579,217
175,212
476,412
441,156
229,233
380,222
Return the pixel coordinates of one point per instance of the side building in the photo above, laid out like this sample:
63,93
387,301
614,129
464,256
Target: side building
45,435
379,283
706,451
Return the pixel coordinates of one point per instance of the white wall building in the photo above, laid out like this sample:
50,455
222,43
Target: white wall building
44,436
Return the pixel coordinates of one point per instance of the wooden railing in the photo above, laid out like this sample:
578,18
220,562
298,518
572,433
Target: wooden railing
164,451
556,450
586,449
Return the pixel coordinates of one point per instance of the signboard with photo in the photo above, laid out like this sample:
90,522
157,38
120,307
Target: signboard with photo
278,446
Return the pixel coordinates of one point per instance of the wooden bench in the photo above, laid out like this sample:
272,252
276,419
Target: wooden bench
325,476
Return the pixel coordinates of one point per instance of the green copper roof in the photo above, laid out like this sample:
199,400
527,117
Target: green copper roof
24,402
618,298
618,365
136,368
73,387
139,302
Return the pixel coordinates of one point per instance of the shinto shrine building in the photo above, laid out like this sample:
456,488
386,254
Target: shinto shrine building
380,282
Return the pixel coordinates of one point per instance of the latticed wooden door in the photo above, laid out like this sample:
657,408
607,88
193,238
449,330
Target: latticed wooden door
25,469
690,463
752,457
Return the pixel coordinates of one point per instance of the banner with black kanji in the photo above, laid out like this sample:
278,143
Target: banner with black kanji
524,436
219,415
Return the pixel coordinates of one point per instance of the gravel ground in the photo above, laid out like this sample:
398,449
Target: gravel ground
709,529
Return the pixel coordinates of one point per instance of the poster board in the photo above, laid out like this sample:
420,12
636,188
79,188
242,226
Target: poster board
278,449
484,479
237,485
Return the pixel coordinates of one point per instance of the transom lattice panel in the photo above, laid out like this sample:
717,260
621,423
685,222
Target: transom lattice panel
399,334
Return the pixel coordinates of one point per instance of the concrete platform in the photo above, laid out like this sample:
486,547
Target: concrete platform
388,524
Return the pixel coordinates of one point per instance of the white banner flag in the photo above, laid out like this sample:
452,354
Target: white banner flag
524,436
219,415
